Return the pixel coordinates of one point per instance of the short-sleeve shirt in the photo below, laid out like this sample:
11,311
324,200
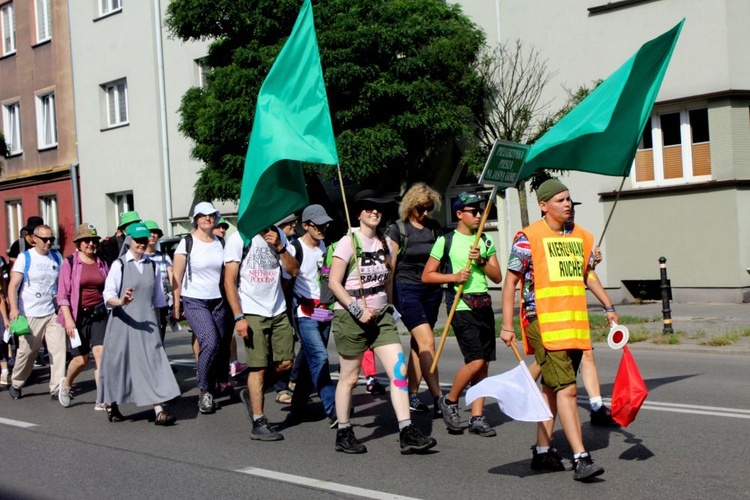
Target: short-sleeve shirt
38,292
411,262
307,284
206,260
459,256
519,262
371,266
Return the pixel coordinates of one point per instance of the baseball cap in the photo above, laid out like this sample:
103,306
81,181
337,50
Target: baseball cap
315,214
138,230
205,208
286,220
223,222
86,230
465,199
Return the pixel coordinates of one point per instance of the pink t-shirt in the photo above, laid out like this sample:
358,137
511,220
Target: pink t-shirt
371,266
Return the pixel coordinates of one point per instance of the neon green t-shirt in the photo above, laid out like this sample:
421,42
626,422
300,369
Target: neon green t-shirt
459,255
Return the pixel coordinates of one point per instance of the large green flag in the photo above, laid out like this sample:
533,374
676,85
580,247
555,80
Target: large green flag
292,125
601,134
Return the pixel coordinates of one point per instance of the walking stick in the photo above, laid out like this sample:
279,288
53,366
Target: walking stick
461,286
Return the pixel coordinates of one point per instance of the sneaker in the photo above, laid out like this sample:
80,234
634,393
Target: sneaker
63,394
585,469
237,368
348,443
262,431
113,413
5,378
100,407
416,405
603,418
206,403
450,415
413,441
374,387
245,398
14,393
479,425
549,461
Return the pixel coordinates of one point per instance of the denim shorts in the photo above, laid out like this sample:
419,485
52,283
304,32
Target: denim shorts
418,304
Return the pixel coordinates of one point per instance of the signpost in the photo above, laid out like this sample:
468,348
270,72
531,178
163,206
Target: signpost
504,164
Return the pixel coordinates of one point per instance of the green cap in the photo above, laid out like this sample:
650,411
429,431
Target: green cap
223,222
138,230
128,218
20,326
550,188
153,227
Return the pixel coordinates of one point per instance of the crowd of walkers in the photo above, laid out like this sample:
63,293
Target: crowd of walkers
116,297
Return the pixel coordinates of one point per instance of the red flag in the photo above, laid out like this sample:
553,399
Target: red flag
629,391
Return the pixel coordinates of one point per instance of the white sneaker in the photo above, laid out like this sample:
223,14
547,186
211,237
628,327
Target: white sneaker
100,407
5,378
63,394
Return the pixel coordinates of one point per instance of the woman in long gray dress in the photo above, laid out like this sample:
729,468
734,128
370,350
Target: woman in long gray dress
134,367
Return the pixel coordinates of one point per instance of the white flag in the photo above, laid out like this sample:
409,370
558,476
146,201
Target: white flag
516,392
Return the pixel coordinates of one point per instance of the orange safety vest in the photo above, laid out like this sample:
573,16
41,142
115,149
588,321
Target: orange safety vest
560,262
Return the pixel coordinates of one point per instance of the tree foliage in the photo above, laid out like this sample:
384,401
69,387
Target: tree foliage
400,77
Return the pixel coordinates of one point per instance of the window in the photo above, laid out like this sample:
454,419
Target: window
123,203
12,127
43,20
109,6
202,69
14,214
8,28
48,212
675,148
116,97
45,121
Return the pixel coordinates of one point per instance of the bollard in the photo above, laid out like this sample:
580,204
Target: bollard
665,310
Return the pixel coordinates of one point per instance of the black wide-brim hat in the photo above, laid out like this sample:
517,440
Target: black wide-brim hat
368,197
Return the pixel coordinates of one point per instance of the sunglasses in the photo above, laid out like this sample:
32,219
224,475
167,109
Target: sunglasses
89,240
371,210
319,227
48,239
473,211
424,208
141,241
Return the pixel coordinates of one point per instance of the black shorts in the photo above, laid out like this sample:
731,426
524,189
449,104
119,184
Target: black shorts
418,304
475,333
92,325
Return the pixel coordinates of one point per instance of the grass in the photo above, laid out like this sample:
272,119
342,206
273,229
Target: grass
722,340
675,338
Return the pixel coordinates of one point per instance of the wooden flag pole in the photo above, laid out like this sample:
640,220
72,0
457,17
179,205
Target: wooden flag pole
461,286
606,225
351,233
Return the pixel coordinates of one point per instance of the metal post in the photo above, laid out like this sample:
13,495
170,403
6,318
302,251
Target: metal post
665,292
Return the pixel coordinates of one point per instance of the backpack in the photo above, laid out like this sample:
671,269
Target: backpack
327,298
189,248
403,237
27,266
446,266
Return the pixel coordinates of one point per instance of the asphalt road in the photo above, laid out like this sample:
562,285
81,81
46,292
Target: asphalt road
689,441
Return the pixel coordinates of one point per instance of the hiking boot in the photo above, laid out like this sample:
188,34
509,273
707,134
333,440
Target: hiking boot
206,403
413,441
245,398
14,392
585,469
262,431
348,443
603,418
416,405
64,395
374,387
479,425
549,461
450,415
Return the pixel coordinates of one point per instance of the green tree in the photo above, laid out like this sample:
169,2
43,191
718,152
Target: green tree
400,78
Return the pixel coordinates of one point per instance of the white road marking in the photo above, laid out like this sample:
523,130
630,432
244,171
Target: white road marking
16,423
320,484
716,411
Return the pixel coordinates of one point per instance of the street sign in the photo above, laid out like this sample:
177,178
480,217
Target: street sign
504,163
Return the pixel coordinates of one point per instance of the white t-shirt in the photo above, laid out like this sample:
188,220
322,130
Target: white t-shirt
260,275
36,297
206,260
307,283
371,265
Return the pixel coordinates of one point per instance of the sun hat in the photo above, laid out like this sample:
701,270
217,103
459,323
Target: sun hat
286,220
550,188
32,223
152,226
138,230
205,208
127,218
315,214
465,199
86,230
223,222
368,197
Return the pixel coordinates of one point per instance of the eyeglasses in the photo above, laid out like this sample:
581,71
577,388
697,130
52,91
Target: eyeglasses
141,241
319,227
89,240
48,239
422,209
473,211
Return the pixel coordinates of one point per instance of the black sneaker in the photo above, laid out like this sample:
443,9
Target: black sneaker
374,387
603,418
416,405
14,392
585,469
450,415
206,403
262,431
348,443
479,426
413,441
549,461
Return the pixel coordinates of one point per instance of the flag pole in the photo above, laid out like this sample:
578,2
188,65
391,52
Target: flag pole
606,225
351,233
461,286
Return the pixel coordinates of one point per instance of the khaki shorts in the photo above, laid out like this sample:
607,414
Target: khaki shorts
269,337
559,368
353,338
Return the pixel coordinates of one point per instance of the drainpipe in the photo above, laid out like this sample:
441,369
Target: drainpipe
76,198
163,118
74,166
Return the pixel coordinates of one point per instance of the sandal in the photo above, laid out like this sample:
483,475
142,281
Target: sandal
113,413
165,419
284,397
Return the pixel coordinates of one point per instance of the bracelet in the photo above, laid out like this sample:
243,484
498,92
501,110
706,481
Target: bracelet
283,250
355,309
506,330
239,317
609,309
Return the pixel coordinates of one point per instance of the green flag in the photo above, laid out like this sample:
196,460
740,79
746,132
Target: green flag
601,134
292,124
